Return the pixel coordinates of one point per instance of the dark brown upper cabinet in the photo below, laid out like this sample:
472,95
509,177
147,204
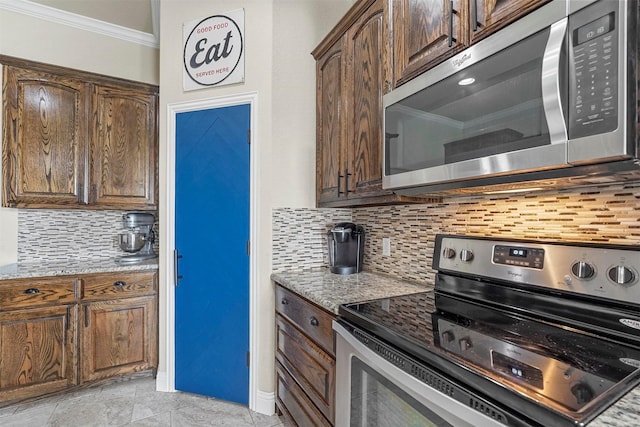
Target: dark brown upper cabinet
73,139
353,72
426,32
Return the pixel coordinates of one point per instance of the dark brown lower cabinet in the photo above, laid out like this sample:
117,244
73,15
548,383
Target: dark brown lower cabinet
119,324
293,402
115,337
37,351
61,333
305,361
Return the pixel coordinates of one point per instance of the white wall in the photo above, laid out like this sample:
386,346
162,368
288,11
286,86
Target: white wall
36,39
279,36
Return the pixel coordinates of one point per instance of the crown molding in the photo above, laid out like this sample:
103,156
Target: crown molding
58,16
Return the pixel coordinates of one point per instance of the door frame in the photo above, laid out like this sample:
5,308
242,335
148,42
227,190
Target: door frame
168,234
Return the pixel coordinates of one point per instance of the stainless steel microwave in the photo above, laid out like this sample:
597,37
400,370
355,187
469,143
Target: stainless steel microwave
549,99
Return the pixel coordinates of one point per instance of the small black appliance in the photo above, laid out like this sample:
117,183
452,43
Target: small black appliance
346,248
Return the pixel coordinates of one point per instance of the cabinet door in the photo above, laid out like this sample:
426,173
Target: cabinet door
367,72
37,351
330,124
312,368
425,32
44,134
118,336
488,16
294,404
123,150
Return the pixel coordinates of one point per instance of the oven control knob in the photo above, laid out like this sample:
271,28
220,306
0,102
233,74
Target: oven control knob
448,253
448,337
621,275
465,344
583,270
582,393
466,255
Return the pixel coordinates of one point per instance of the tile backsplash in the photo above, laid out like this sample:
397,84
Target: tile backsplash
609,214
59,235
299,241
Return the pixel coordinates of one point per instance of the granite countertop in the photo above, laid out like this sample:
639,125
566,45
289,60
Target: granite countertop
330,290
71,268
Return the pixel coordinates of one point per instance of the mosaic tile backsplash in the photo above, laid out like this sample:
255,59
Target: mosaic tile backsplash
59,235
299,241
608,214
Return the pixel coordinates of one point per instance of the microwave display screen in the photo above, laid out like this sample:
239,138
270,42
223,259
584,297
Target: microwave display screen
594,29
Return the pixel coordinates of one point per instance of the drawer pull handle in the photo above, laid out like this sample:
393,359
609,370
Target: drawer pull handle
119,284
313,321
31,291
284,301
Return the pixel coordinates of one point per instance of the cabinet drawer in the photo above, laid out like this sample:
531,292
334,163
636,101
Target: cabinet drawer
312,367
36,292
118,285
312,320
293,403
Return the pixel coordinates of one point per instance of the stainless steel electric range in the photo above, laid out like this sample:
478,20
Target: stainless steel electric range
516,333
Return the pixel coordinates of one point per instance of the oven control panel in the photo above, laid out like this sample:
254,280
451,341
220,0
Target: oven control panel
518,255
603,271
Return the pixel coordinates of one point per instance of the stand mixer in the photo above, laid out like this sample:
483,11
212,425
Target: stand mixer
139,237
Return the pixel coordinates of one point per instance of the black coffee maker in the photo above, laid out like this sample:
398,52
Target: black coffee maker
346,248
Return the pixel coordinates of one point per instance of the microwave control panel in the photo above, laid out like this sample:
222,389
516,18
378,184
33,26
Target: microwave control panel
593,77
593,71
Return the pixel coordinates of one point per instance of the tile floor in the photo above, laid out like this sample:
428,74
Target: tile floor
132,403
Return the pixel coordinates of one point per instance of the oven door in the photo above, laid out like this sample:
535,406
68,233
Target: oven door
372,390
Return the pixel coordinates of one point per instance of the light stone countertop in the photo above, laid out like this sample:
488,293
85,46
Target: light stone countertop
330,290
71,268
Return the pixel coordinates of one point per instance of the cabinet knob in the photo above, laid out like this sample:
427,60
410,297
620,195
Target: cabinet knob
31,291
119,283
284,301
313,321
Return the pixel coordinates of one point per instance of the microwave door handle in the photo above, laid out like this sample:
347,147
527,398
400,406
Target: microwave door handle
551,90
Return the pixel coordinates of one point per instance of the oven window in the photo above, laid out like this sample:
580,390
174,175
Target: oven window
377,402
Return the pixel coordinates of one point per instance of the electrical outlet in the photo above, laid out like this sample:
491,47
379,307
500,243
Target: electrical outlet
386,246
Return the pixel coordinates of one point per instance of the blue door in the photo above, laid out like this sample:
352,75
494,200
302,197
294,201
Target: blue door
212,235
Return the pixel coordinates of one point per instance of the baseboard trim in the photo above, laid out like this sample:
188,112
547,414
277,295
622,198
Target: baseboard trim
162,382
265,403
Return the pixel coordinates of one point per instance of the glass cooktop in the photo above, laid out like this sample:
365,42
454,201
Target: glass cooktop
519,360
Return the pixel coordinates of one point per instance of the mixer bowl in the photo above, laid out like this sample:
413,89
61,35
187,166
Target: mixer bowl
131,241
